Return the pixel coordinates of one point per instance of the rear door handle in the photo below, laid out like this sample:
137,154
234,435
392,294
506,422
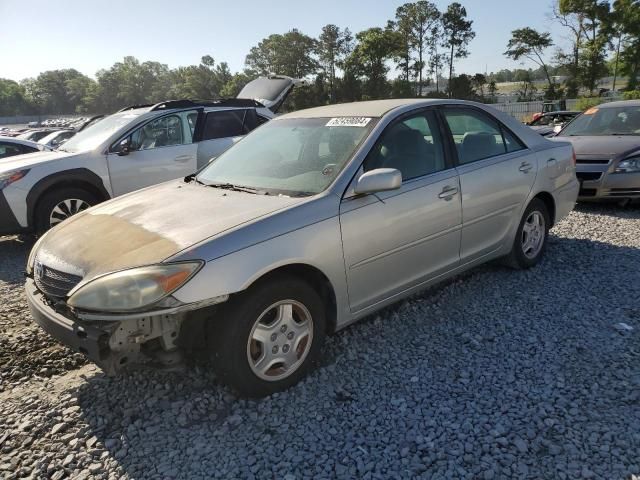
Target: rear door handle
525,167
448,192
183,158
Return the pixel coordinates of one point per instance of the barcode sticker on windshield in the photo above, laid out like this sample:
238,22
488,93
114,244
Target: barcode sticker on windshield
348,122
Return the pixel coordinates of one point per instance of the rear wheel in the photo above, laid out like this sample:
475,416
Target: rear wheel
55,207
269,337
531,237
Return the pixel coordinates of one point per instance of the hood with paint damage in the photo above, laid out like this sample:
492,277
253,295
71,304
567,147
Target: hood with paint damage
149,226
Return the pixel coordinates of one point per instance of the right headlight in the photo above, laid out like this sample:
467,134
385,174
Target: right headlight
133,289
629,165
7,178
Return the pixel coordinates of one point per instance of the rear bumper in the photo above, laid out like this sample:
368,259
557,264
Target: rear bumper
89,340
609,186
565,198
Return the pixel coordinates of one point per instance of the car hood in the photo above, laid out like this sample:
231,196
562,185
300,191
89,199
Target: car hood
149,226
27,160
602,146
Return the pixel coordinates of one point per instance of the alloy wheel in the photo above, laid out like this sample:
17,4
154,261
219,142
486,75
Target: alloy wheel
533,234
65,209
280,340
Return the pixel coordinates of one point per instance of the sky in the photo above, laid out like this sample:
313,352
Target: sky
39,35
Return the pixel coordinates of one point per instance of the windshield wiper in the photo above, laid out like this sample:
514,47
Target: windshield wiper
237,188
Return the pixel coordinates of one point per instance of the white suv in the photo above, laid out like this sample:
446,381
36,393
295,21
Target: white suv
138,146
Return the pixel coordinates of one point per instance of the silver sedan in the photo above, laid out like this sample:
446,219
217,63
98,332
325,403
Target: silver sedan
312,222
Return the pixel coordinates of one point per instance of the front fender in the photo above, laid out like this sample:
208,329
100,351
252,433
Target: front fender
318,245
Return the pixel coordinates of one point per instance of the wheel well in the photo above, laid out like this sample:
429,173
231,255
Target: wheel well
550,203
316,279
89,187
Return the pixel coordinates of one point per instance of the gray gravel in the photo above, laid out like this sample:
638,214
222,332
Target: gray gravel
498,374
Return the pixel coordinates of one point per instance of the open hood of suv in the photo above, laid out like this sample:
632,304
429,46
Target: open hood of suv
270,91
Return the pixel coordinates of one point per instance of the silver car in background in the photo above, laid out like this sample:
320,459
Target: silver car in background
606,139
313,221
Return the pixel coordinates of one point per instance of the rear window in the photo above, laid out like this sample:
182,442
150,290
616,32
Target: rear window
224,124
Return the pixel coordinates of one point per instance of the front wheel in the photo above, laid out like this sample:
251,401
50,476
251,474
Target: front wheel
268,337
58,205
531,237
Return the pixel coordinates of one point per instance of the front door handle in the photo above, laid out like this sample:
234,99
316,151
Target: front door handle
525,167
183,158
448,192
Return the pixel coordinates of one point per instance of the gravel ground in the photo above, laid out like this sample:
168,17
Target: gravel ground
497,374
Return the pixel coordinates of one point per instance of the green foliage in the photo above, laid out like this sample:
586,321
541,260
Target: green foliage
631,95
12,98
531,44
333,46
369,59
585,103
288,54
457,33
461,87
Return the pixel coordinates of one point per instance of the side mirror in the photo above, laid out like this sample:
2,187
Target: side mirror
378,180
124,147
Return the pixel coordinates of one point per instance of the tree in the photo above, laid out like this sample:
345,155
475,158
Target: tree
204,81
457,33
375,46
12,98
436,59
529,43
574,22
461,87
333,46
289,54
627,18
425,21
596,24
493,90
527,89
403,25
478,81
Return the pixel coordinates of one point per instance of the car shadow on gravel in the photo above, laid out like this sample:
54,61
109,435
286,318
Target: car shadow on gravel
497,372
610,209
13,258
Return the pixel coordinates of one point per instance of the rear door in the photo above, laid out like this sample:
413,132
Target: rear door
220,130
162,149
496,172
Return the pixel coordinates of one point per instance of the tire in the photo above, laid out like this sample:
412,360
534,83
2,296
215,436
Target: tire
275,311
50,209
524,255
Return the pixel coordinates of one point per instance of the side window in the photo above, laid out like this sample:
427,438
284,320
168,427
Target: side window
224,124
512,142
412,145
8,150
162,132
252,120
477,136
192,119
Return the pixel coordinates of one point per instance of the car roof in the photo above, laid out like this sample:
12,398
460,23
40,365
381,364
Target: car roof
621,103
20,141
369,108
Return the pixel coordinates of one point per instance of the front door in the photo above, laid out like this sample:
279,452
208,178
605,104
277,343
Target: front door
496,172
398,239
160,150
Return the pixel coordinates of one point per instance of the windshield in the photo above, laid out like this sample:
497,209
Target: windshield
94,135
605,121
298,156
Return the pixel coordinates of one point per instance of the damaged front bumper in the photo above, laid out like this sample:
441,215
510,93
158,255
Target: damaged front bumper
110,341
